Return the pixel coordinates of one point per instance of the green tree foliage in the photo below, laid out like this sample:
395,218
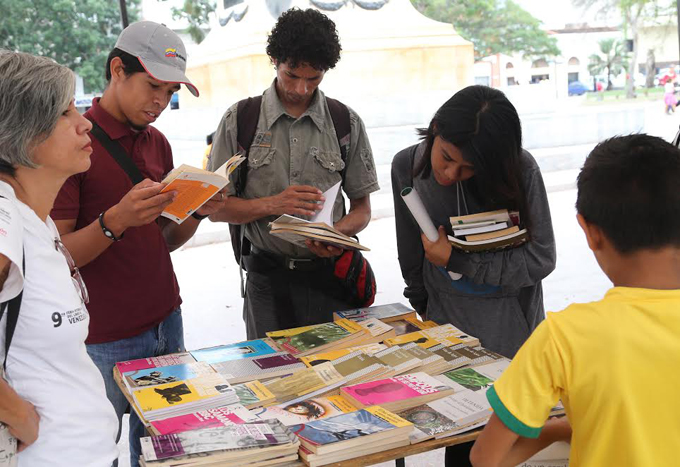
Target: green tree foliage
634,13
197,13
493,26
612,59
79,34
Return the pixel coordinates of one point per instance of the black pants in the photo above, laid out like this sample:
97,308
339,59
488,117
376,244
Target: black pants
280,298
458,455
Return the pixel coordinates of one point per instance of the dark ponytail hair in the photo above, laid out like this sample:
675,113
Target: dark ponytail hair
482,123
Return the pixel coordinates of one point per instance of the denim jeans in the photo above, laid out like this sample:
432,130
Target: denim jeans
167,337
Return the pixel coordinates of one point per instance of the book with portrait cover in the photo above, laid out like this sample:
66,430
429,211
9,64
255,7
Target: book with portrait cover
233,414
306,411
397,393
351,430
236,351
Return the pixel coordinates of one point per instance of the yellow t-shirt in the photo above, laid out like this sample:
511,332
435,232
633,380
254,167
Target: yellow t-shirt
616,366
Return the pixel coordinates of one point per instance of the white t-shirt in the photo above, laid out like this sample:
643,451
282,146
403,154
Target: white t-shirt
48,364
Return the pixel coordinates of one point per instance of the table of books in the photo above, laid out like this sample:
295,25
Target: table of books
374,385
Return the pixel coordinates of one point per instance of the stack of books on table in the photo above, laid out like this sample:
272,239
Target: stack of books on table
351,435
345,394
320,337
184,397
486,231
267,442
446,335
398,393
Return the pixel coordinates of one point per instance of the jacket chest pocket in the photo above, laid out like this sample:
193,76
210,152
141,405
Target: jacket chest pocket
260,157
330,161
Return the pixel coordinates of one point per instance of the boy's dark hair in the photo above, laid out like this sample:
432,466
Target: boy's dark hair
484,125
629,187
304,36
131,64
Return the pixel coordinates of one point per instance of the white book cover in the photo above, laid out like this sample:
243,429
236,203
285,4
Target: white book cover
491,227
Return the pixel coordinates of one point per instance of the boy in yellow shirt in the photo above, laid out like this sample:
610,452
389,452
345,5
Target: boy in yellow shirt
615,363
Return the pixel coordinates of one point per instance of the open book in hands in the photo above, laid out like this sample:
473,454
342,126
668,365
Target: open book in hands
318,228
195,187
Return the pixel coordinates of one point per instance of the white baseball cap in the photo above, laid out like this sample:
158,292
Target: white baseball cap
160,51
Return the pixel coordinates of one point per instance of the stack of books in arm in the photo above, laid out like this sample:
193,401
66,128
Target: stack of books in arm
268,442
487,231
351,435
184,397
398,393
233,414
308,340
195,187
259,368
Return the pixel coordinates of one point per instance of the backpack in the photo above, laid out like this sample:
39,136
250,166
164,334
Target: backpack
247,115
352,269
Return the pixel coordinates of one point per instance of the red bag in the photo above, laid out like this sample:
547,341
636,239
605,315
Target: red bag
356,276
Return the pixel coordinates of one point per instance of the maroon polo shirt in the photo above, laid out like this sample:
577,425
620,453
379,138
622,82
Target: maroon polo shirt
132,285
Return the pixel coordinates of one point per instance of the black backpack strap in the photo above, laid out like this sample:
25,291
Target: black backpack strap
247,115
13,306
341,122
118,153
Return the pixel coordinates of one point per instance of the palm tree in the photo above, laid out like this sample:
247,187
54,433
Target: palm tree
611,58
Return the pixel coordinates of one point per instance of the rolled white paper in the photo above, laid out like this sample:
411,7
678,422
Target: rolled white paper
417,208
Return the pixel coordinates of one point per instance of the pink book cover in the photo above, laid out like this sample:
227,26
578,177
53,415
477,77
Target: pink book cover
211,418
154,362
394,389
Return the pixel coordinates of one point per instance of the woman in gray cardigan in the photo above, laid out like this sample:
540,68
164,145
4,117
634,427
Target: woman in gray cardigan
471,160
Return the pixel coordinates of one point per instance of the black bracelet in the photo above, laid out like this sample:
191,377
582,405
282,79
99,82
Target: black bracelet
195,215
109,234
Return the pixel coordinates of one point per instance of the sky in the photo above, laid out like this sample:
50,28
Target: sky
556,13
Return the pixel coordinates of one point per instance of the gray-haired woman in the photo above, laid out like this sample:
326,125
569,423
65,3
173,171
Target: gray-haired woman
52,396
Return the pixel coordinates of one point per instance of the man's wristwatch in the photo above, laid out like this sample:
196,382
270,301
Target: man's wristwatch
196,215
107,231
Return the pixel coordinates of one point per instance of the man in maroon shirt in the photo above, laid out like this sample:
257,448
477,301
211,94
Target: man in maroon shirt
113,229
